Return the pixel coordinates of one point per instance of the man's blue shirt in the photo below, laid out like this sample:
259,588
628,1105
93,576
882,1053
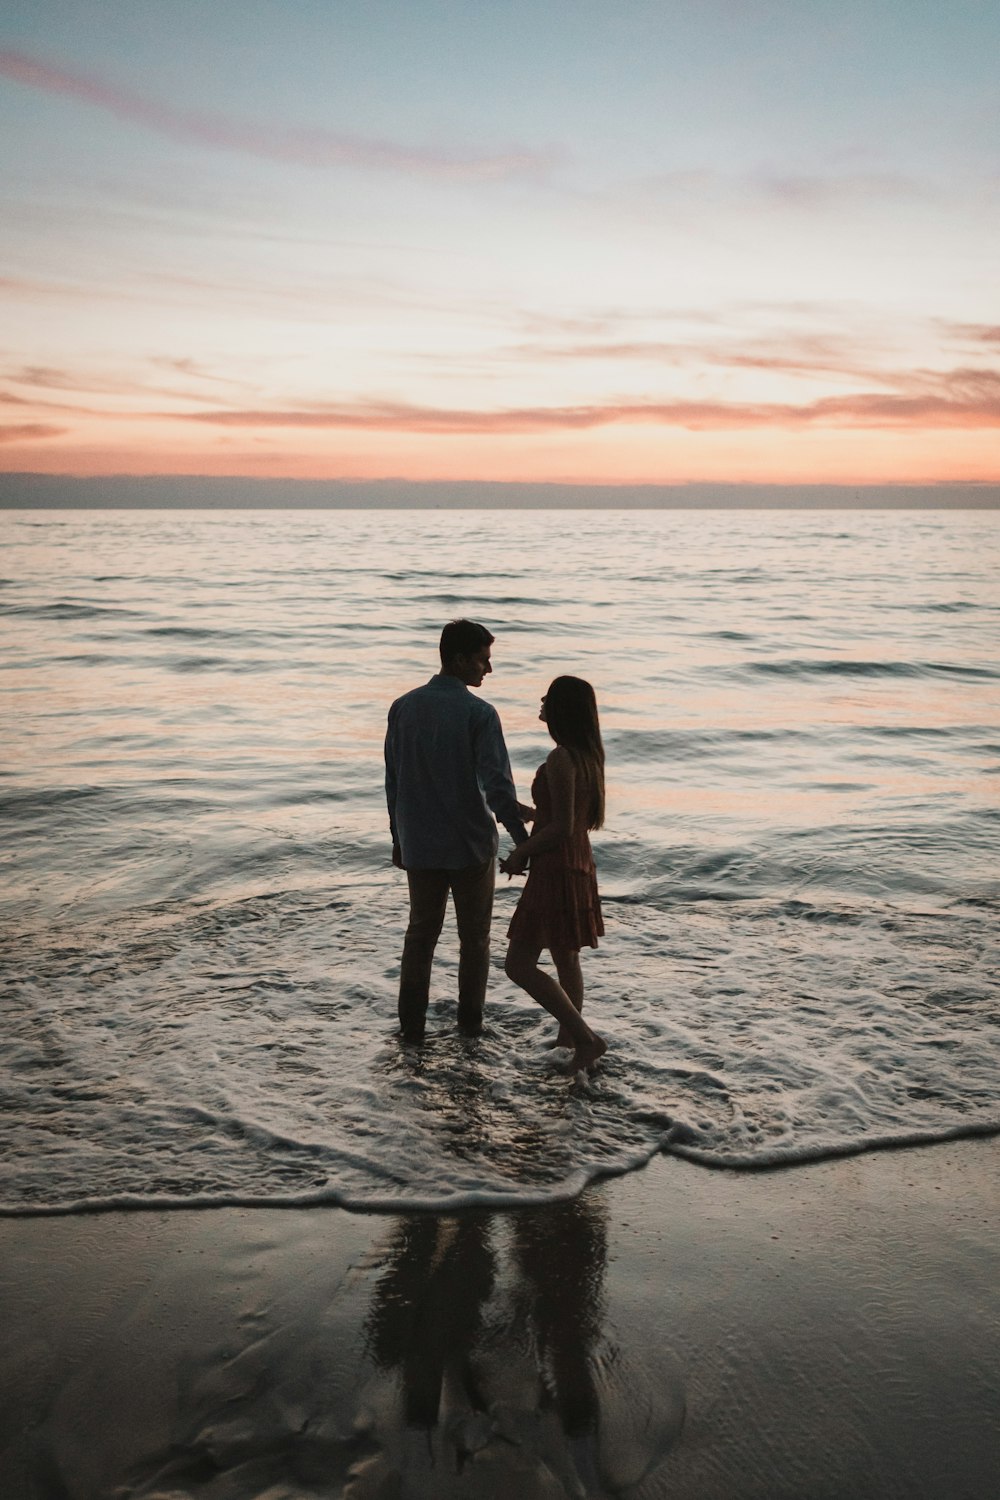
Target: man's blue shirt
446,772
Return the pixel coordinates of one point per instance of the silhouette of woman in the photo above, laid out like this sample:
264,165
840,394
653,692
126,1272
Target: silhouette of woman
560,908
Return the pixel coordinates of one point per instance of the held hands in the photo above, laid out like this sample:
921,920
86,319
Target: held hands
515,863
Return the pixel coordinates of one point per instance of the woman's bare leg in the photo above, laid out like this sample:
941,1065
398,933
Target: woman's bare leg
567,962
522,967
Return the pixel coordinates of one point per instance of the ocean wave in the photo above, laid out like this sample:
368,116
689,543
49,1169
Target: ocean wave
243,1053
66,610
838,667
646,747
200,633
957,607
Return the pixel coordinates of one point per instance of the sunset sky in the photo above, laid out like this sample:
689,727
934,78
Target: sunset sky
693,240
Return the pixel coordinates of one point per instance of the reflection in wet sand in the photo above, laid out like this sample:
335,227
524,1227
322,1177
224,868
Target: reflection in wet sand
497,1372
466,1356
427,1311
562,1256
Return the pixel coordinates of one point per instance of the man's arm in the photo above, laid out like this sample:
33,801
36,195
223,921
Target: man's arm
493,770
562,787
390,793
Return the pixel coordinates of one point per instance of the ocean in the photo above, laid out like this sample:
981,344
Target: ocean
202,926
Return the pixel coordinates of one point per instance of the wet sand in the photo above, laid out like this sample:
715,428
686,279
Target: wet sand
821,1331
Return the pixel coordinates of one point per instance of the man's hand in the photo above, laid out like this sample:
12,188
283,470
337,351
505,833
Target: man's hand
525,813
515,863
397,856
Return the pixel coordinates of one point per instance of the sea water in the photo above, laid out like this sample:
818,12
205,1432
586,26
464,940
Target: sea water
202,924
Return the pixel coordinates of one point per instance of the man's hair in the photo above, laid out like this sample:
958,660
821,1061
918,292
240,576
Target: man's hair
463,638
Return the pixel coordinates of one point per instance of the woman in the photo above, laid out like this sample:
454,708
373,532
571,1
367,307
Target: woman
559,908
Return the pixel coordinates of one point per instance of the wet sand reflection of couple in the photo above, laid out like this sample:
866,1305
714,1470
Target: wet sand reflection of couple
492,1362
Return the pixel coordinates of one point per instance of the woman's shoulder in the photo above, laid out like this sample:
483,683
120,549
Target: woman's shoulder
560,761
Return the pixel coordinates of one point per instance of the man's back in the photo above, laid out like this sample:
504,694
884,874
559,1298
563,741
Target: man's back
446,766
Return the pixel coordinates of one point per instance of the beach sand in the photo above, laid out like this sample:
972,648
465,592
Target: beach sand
818,1331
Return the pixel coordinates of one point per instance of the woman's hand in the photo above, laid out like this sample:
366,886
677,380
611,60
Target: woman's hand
515,863
525,813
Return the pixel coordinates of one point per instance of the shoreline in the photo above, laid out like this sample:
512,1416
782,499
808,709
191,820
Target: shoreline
752,1164
819,1330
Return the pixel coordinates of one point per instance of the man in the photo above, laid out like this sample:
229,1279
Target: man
446,773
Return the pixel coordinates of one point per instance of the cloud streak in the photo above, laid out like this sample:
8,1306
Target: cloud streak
36,403
813,356
29,432
313,147
977,333
760,190
963,398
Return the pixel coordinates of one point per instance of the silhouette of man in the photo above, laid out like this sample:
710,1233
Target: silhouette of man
447,773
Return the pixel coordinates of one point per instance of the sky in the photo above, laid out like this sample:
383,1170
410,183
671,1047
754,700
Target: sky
692,241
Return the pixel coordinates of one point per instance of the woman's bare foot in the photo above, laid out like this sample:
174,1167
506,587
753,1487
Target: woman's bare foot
562,1040
587,1054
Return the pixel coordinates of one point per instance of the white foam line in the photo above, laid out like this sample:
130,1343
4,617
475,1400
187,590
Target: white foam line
333,1198
672,1143
764,1160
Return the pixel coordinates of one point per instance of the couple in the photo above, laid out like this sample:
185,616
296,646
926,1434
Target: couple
447,774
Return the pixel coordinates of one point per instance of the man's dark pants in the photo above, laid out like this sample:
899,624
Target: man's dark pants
472,892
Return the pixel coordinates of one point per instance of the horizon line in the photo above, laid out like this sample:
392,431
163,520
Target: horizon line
33,490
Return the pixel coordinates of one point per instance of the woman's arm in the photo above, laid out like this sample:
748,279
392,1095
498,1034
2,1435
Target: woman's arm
562,789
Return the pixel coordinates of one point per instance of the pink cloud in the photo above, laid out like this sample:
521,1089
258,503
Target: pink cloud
48,378
8,398
960,399
977,333
29,432
807,356
314,147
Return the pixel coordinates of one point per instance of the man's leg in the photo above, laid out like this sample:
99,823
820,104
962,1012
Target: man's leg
472,892
428,899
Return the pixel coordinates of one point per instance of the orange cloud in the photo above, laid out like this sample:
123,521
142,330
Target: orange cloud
28,432
965,398
312,147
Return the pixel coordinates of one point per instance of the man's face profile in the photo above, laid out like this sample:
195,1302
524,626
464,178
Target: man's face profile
472,669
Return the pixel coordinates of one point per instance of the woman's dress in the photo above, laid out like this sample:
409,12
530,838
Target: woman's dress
560,906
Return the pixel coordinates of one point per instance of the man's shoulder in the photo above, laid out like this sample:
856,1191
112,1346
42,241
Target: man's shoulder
446,700
484,710
414,695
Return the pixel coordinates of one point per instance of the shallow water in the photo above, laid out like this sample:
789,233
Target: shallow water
799,869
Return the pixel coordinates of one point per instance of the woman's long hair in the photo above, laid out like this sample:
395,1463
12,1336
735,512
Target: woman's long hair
571,716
